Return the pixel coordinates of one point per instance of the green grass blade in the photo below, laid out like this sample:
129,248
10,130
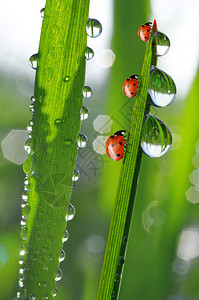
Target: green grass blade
124,202
56,124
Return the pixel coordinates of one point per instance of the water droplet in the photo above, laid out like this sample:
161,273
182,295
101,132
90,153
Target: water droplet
82,140
42,12
45,297
24,196
42,284
28,166
32,108
89,53
68,142
59,121
65,236
26,212
32,99
87,91
27,146
156,138
162,42
76,175
24,233
54,292
45,267
93,28
62,255
32,297
21,284
162,88
58,275
23,222
70,212
33,61
66,78
84,113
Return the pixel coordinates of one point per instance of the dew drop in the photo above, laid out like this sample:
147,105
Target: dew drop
93,28
24,233
24,196
28,166
45,297
76,175
87,91
33,61
84,113
58,275
54,292
21,283
42,12
62,255
59,121
26,212
42,284
45,267
27,146
32,297
66,78
82,140
32,98
162,42
23,222
32,108
70,212
156,138
89,53
162,88
65,236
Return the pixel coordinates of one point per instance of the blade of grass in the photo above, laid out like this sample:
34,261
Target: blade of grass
125,197
56,124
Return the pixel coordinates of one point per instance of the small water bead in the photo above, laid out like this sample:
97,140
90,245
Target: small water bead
24,196
23,222
66,78
89,53
84,113
32,108
162,43
93,28
65,236
26,211
156,138
45,297
45,267
21,283
76,175
32,297
70,212
54,293
33,99
58,275
87,91
162,88
42,12
62,255
28,166
24,233
27,146
82,140
42,284
33,61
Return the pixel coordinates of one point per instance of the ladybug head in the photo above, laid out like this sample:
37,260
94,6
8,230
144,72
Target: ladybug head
121,132
134,76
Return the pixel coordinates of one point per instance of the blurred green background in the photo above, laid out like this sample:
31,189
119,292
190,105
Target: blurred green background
163,254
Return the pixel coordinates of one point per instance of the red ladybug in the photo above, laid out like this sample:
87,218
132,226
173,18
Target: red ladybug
130,86
115,145
144,31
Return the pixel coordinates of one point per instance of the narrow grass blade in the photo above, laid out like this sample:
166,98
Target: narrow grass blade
124,202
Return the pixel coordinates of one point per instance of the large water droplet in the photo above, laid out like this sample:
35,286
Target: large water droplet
162,43
75,175
42,12
58,274
82,140
93,28
62,255
162,88
156,138
84,113
65,236
33,61
89,53
70,212
87,91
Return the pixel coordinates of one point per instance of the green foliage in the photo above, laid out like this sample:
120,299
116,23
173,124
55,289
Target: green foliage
56,125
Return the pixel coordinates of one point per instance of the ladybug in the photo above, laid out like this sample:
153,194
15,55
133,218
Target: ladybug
144,31
115,145
130,86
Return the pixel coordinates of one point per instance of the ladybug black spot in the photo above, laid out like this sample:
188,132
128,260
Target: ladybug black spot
112,136
148,30
128,79
120,143
117,155
143,25
145,37
131,93
134,84
112,145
